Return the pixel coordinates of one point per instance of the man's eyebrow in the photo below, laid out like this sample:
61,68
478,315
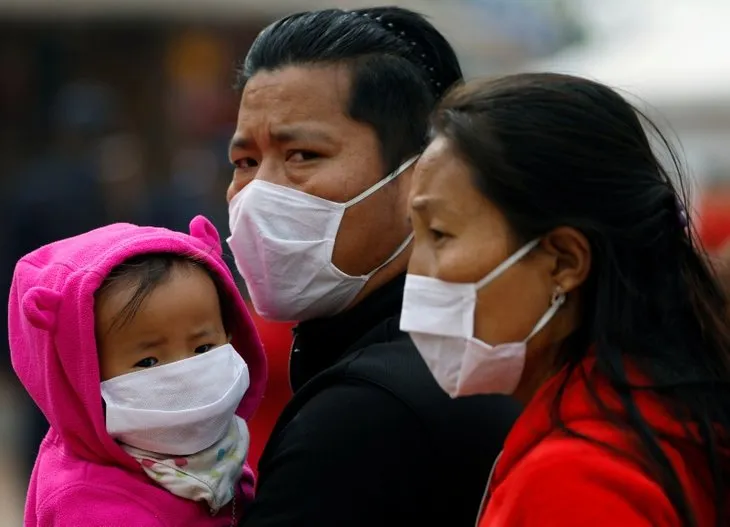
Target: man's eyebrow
284,135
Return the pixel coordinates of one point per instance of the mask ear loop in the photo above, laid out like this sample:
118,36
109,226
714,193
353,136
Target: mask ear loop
357,199
556,302
509,262
396,254
380,184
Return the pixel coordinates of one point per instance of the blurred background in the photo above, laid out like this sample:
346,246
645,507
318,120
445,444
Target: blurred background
121,110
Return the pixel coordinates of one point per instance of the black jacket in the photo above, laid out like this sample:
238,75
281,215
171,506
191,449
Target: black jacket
369,438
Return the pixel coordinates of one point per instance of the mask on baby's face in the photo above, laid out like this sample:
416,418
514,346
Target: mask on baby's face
179,408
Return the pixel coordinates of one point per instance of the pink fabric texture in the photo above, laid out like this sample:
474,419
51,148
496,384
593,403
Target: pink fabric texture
82,476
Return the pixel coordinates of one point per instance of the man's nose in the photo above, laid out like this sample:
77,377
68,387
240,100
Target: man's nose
234,188
273,170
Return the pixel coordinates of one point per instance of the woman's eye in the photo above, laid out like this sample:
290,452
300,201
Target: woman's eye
204,348
245,162
302,155
147,362
437,235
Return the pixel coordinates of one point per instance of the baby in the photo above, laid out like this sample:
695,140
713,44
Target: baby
136,345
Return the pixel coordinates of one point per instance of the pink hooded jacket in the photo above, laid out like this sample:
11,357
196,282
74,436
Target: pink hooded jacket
82,477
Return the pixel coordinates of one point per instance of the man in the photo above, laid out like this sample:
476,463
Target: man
332,102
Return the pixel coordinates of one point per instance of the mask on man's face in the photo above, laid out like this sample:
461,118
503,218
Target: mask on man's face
282,240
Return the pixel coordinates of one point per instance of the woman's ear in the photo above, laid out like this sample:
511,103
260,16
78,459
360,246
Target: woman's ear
572,253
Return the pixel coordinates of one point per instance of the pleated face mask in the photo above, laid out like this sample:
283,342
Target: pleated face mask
439,316
179,408
282,240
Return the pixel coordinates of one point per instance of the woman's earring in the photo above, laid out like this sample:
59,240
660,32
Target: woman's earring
558,296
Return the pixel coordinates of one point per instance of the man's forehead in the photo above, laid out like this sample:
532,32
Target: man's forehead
297,92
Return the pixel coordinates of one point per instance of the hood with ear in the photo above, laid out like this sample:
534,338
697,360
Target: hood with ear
51,326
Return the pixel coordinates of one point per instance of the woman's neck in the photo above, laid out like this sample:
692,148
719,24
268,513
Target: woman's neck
539,368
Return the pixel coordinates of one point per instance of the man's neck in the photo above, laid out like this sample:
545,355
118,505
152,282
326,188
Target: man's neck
385,276
319,343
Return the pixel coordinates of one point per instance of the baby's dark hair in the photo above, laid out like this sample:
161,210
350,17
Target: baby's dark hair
148,271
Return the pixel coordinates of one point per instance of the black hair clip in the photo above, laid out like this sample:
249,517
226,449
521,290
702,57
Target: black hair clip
403,37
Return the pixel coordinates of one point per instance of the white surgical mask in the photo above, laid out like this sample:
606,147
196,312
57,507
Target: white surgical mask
439,316
180,408
282,240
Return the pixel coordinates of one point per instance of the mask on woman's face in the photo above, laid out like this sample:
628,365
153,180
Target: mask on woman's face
282,240
439,316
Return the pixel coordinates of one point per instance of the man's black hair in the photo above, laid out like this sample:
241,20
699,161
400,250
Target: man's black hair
401,67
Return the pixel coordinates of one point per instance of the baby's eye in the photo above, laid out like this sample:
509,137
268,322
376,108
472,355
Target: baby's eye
147,362
204,348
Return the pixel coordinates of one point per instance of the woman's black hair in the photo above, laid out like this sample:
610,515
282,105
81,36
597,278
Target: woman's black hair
145,273
400,64
555,150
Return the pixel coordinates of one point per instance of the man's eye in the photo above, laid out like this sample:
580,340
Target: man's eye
204,348
245,162
147,362
302,155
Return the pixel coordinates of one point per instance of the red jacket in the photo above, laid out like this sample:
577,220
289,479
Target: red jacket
276,338
545,478
714,215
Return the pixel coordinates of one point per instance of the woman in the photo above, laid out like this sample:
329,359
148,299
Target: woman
553,261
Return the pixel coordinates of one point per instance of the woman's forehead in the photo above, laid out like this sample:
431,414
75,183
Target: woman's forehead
443,183
440,173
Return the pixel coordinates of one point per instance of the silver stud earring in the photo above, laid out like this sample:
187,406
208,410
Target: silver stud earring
558,295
